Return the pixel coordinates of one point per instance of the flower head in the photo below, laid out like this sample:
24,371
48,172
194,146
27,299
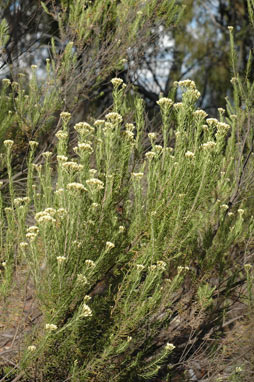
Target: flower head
51,327
116,82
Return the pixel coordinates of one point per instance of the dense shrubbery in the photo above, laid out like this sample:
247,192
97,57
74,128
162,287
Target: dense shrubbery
129,250
139,245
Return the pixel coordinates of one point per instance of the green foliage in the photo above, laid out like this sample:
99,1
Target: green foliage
102,276
136,242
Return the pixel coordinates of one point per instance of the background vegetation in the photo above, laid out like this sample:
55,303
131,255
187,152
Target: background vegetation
126,206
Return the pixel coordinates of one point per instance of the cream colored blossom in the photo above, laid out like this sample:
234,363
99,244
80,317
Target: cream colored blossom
152,136
76,187
208,145
46,219
121,229
95,184
140,267
130,127
73,166
178,105
83,128
165,102
33,229
109,245
62,158
169,347
189,154
90,263
23,245
137,175
187,84
51,327
65,116
61,259
129,134
116,82
6,81
161,265
33,144
47,154
223,127
212,121
62,135
99,123
50,211
81,279
230,28
181,269
31,348
224,206
8,143
86,311
150,155
59,191
114,117
19,201
200,113
31,236
240,211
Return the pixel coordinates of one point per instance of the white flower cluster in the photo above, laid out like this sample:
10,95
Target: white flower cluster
62,135
99,123
165,102
95,184
65,116
208,145
178,105
8,143
61,158
19,201
116,82
137,175
85,147
86,311
81,279
83,128
152,136
46,216
61,259
150,155
51,327
130,127
169,347
31,348
109,245
72,166
200,113
76,187
114,117
23,245
90,263
140,267
189,154
181,269
186,84
47,154
223,127
33,144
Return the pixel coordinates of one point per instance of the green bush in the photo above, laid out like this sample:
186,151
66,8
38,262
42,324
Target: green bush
121,243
